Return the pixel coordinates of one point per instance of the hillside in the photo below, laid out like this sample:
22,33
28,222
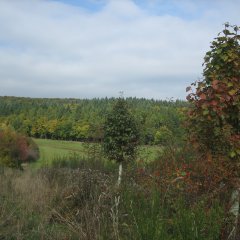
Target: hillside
82,119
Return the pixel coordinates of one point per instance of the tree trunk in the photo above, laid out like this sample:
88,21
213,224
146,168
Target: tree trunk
234,210
120,174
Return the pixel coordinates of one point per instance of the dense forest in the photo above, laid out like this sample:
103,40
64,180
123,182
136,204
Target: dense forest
82,119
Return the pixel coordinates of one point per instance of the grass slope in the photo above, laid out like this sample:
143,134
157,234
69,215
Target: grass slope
53,149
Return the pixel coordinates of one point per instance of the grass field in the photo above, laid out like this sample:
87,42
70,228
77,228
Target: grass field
52,149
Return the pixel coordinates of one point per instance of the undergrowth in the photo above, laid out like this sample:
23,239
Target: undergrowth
79,199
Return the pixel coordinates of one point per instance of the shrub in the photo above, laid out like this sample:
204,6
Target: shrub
163,136
16,149
214,120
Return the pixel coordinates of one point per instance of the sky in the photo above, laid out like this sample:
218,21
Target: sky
98,48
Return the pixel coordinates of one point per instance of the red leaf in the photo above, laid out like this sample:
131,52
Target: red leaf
214,103
215,84
203,96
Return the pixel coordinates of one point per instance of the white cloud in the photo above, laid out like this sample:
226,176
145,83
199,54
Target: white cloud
51,49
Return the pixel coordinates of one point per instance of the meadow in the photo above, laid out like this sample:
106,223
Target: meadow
52,150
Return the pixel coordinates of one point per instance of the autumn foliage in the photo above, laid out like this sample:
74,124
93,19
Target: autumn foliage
214,119
207,167
16,149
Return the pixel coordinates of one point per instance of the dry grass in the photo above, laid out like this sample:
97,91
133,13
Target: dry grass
61,203
54,204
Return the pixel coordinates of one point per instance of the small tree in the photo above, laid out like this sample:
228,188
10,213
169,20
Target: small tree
214,120
120,135
215,115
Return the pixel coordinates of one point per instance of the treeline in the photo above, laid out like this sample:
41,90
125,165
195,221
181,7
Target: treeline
82,119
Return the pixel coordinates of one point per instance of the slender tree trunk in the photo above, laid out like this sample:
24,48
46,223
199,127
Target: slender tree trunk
120,174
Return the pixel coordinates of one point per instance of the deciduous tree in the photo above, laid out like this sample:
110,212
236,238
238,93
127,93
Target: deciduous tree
214,120
120,135
215,115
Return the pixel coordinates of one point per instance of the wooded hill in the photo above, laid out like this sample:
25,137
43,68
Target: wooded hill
82,119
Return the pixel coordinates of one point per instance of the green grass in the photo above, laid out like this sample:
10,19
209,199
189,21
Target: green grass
55,149
149,153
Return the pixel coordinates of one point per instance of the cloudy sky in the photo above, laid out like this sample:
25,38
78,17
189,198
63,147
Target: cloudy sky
97,48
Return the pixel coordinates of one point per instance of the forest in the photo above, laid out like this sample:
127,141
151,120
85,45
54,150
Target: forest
82,119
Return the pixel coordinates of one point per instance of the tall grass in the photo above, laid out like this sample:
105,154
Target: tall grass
76,197
54,204
81,203
149,217
75,161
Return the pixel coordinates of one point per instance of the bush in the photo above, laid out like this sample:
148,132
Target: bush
16,149
214,119
163,136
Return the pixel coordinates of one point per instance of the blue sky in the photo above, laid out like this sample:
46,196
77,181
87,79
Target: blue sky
96,48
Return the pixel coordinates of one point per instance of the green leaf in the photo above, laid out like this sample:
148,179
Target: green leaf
232,92
205,112
232,154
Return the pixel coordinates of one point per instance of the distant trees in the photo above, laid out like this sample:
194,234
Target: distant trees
16,149
163,136
82,119
120,135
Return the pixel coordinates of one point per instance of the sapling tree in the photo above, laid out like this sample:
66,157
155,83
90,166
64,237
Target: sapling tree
215,116
214,120
120,135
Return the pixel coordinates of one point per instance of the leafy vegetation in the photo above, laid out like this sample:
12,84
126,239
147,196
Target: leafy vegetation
120,134
16,149
83,119
214,118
